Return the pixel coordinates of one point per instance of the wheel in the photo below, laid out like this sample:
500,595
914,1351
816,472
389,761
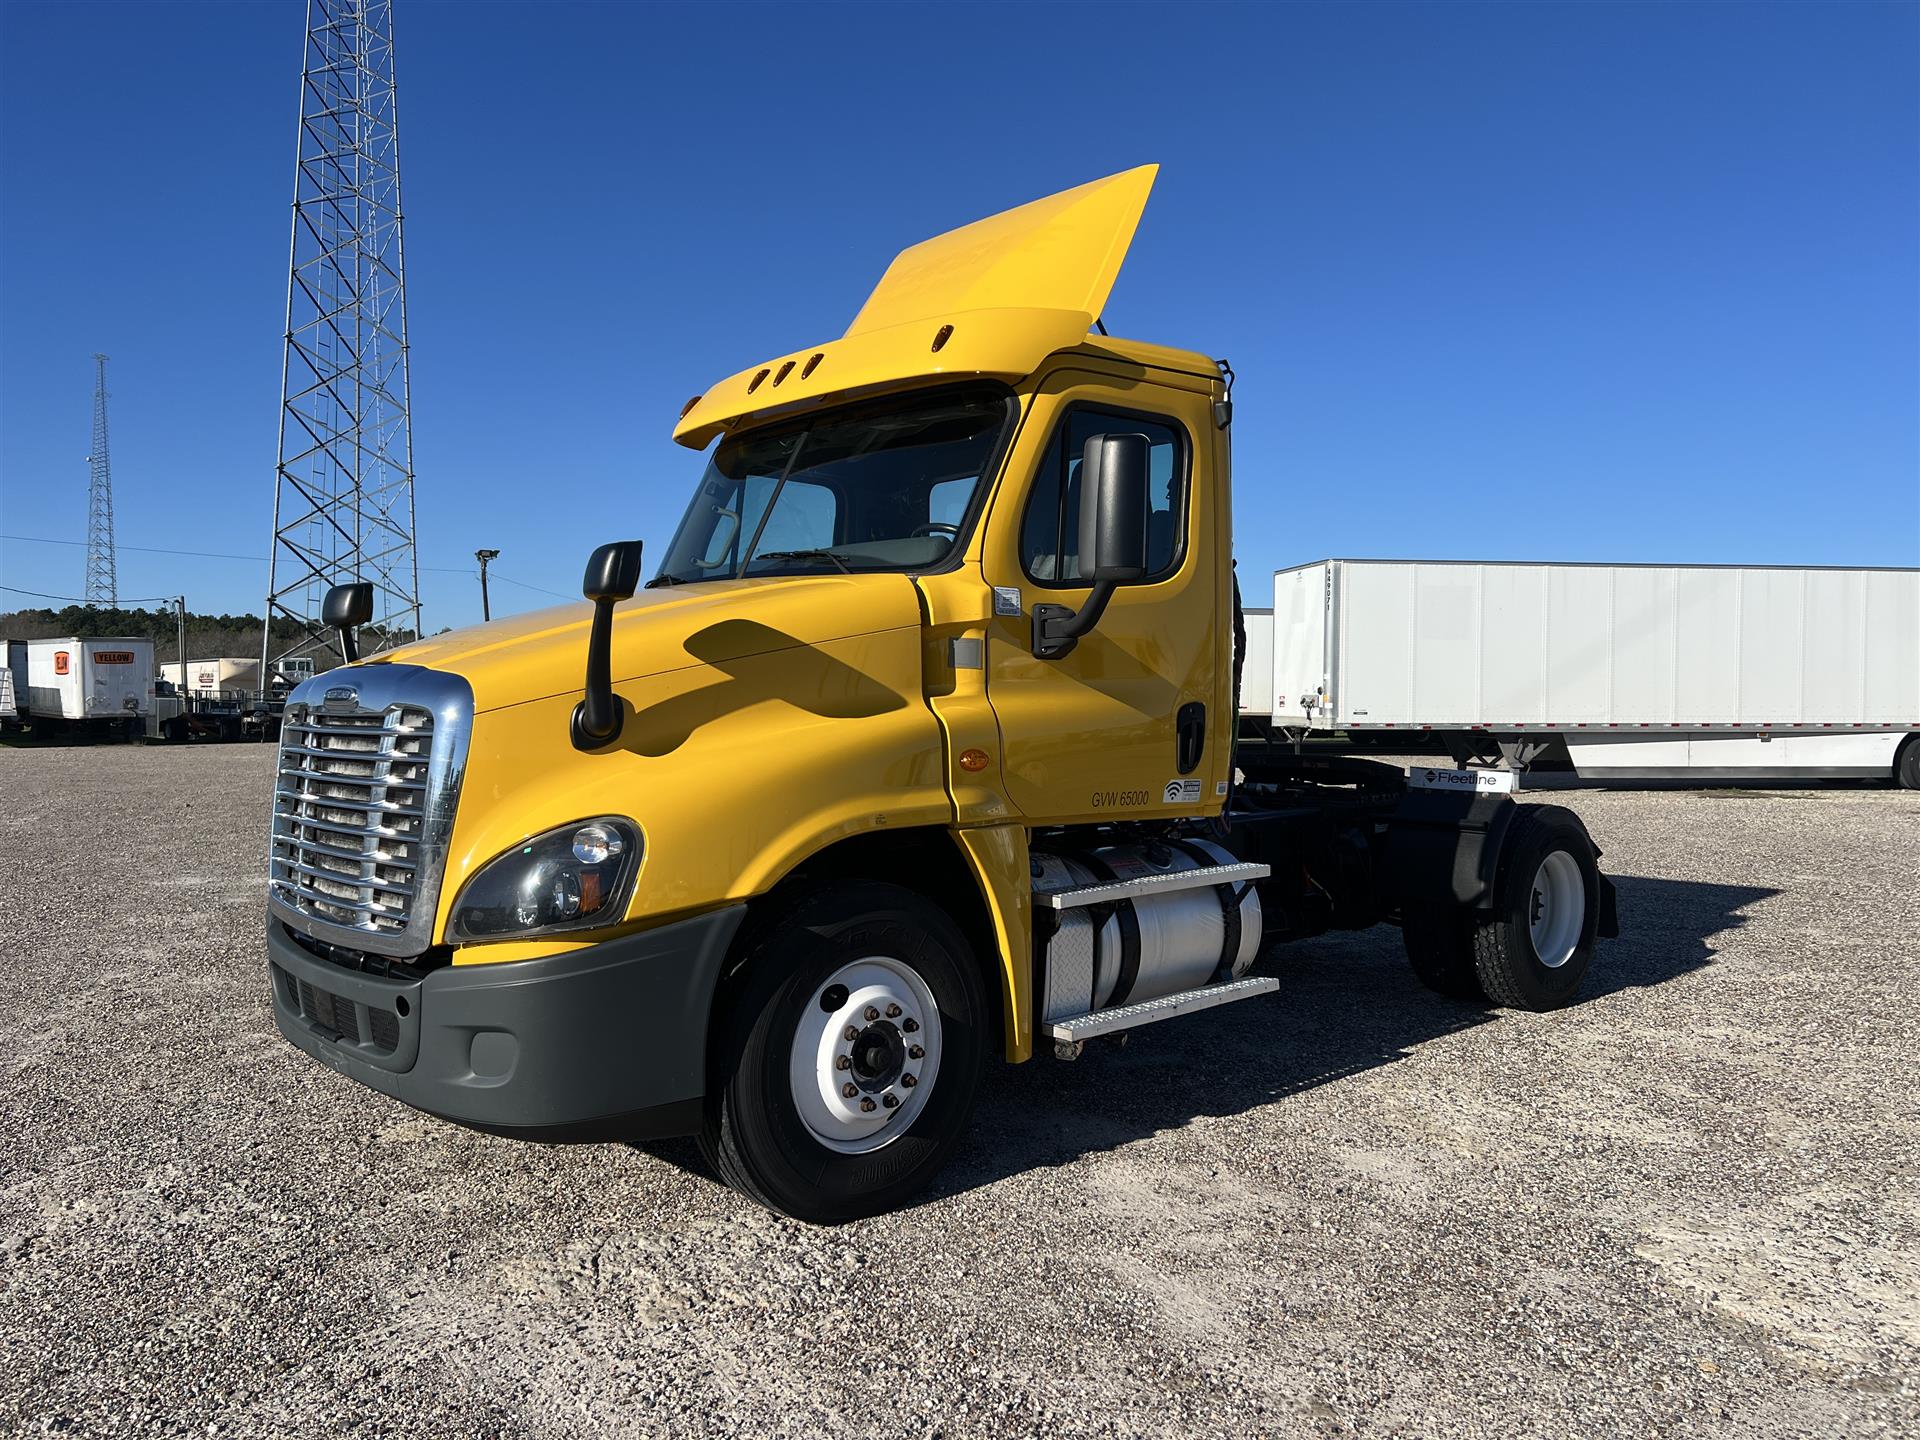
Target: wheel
848,1056
1906,764
1532,950
1439,941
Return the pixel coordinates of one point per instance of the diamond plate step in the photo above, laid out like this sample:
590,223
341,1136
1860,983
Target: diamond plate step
1128,1017
1150,885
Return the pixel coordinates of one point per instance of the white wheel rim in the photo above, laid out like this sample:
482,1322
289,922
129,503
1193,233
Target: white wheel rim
1557,909
872,1027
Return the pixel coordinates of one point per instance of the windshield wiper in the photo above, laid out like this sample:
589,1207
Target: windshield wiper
660,580
837,559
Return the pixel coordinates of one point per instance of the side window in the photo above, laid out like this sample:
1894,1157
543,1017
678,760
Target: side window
1050,530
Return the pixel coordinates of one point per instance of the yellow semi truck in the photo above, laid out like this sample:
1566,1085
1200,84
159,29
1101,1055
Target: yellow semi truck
916,750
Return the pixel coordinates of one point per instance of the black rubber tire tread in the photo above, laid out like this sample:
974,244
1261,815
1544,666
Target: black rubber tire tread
1439,944
1510,975
1906,763
753,1138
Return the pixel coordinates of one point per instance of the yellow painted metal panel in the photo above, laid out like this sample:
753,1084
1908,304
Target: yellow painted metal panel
542,653
1089,738
736,768
996,344
1062,252
997,855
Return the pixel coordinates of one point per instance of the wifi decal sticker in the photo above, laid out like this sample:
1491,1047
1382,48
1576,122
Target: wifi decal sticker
1181,792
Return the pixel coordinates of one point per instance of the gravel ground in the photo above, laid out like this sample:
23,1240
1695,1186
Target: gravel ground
1686,1205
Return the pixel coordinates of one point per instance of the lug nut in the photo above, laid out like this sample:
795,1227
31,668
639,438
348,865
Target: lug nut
910,1025
889,1100
849,1034
909,1080
845,1062
871,1013
893,1012
849,1089
866,1105
914,1052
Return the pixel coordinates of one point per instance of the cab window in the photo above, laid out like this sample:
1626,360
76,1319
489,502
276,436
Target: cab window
1050,530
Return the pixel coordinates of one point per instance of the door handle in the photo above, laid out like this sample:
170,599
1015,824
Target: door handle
1190,736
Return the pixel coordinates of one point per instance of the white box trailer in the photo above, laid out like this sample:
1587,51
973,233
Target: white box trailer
1629,671
214,677
13,658
1256,663
91,681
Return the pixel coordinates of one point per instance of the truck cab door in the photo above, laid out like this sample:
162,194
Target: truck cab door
1134,722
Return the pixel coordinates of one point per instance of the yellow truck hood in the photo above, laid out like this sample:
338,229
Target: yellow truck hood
538,655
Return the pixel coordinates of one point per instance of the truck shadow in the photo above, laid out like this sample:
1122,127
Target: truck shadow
1347,1003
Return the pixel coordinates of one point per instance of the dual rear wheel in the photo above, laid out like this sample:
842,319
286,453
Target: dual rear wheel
1530,951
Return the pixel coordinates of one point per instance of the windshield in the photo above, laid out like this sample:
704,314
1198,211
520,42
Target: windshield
880,488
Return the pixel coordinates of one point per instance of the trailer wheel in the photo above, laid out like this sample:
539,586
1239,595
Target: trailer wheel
1439,941
1906,765
849,1056
1532,950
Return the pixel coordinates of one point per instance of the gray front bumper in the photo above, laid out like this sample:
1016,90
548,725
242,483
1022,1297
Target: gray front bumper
607,1043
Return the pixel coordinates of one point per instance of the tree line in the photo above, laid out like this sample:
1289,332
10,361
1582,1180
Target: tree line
209,637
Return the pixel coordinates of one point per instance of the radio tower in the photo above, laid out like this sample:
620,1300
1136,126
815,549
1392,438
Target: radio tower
103,587
343,492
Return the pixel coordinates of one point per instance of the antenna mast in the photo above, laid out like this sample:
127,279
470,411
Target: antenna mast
103,586
343,490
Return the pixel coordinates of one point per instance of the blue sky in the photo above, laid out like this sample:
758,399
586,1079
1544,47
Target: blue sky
1585,281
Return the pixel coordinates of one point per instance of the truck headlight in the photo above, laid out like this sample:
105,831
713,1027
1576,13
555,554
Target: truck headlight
576,877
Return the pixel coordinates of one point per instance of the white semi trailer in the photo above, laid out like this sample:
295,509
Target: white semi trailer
215,676
1624,672
92,683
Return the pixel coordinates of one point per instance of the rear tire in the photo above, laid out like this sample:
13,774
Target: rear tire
881,962
1532,950
1906,764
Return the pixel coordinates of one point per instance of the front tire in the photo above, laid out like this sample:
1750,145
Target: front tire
861,987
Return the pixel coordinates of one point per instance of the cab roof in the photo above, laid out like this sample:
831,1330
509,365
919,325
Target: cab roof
993,299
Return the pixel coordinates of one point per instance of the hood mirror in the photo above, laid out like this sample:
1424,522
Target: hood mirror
346,608
613,574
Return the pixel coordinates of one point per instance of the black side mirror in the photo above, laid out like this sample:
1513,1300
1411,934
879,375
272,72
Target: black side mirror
346,608
613,574
1113,538
1113,507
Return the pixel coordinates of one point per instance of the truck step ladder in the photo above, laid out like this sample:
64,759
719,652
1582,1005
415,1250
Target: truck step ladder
1145,885
1070,1034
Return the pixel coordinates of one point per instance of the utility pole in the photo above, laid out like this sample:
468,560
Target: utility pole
103,587
483,556
343,488
180,617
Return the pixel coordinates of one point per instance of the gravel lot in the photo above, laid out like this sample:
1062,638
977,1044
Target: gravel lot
1687,1205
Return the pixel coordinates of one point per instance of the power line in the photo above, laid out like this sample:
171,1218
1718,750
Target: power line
81,600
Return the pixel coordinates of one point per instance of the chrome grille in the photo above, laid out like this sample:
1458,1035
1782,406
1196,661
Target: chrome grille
363,801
